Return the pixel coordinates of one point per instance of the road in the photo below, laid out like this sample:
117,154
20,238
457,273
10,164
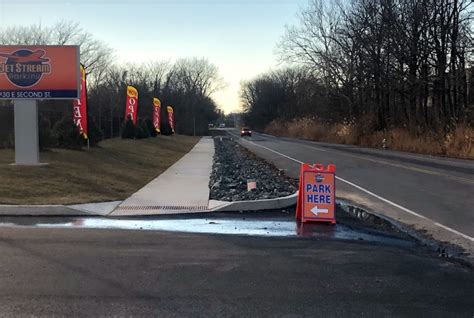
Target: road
428,193
50,272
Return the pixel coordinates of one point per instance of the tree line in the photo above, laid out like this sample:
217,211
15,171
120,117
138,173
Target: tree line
393,63
187,84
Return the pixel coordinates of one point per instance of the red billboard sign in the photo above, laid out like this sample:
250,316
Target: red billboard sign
39,72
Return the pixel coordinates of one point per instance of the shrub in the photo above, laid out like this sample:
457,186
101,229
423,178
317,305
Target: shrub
9,142
67,135
141,130
460,142
151,128
46,136
95,134
166,129
128,129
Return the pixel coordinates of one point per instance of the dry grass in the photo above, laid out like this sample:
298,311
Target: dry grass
458,143
110,172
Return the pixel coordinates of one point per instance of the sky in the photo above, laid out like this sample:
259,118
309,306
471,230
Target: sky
239,36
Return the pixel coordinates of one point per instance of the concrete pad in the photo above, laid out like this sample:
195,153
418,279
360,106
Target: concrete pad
183,188
216,204
254,205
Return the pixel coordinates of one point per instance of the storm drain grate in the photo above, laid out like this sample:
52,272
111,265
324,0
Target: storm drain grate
163,207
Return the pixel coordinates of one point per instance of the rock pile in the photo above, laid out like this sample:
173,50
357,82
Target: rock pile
234,166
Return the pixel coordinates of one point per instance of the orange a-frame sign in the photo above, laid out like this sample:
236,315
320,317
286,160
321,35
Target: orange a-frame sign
317,194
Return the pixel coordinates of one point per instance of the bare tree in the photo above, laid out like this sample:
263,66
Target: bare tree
403,62
197,75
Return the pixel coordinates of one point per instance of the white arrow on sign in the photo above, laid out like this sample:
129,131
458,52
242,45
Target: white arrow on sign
317,211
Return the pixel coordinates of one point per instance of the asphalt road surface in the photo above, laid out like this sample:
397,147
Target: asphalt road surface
429,193
120,273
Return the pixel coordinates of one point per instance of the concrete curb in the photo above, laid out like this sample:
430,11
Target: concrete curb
40,210
222,206
105,208
254,205
86,209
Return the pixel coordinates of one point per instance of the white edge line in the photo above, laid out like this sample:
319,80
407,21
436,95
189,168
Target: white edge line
454,231
376,196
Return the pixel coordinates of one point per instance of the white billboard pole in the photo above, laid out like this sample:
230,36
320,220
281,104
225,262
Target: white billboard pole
26,132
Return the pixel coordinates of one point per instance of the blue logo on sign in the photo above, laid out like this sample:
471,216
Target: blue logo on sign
319,178
24,68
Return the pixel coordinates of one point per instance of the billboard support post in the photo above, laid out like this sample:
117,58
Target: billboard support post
26,132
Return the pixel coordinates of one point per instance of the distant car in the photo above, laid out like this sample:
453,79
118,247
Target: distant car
245,132
211,125
222,125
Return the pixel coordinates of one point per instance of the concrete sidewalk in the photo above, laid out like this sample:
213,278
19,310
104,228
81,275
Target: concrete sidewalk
183,188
